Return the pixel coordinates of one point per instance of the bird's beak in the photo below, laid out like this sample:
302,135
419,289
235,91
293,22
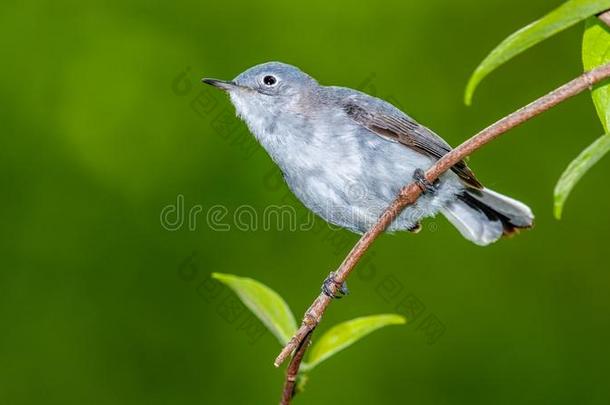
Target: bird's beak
225,85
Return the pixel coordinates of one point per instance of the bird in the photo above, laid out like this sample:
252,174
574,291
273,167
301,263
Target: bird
346,155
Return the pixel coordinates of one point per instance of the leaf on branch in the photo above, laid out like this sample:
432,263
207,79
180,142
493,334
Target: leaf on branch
576,169
565,16
596,52
346,333
265,303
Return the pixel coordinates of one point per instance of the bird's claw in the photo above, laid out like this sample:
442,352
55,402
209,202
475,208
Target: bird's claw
426,186
327,287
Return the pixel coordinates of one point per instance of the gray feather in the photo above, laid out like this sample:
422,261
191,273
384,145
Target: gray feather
385,120
346,155
472,223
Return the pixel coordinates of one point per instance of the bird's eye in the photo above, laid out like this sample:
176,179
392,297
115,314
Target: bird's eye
269,80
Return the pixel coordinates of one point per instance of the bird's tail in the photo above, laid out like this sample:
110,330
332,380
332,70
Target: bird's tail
483,216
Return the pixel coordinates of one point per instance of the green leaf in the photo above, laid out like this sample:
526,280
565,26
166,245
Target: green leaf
265,303
577,168
302,379
345,334
596,52
566,15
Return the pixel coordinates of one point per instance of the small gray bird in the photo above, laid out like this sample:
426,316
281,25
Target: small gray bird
346,155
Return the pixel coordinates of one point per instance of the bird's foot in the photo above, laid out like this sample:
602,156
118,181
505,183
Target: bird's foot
327,287
415,228
426,186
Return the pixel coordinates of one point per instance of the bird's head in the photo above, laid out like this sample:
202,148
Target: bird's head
266,90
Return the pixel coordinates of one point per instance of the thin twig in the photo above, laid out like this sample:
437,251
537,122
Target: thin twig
292,372
605,17
409,194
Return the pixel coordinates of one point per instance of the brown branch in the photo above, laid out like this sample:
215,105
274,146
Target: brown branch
292,372
409,194
605,17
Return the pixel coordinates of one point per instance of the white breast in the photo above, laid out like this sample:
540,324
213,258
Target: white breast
340,170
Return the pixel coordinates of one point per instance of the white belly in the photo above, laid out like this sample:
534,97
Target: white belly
349,180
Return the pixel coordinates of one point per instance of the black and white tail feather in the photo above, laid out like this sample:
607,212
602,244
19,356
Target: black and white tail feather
484,216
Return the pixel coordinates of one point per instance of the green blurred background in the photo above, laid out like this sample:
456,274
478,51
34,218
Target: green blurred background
104,124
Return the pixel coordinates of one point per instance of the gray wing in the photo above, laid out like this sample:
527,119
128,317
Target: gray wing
385,120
